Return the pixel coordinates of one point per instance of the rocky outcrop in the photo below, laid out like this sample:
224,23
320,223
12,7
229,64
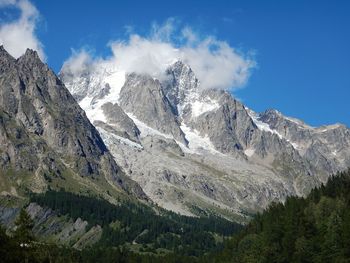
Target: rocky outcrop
50,225
326,147
143,97
229,127
120,122
44,132
180,83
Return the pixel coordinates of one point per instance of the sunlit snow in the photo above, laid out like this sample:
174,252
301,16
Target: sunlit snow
199,107
249,152
196,142
115,80
262,125
110,138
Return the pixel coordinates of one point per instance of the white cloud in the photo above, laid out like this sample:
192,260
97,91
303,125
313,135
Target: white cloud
18,35
215,63
78,62
144,56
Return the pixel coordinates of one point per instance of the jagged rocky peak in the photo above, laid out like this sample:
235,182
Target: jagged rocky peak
292,126
4,55
275,118
179,84
30,56
271,114
183,73
6,60
2,49
31,62
143,97
119,122
44,131
327,147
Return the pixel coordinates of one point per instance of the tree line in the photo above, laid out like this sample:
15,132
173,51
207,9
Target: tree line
312,229
137,223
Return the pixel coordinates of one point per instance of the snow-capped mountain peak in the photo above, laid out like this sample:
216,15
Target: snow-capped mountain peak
188,146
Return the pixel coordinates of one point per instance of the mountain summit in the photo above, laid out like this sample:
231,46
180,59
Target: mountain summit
196,150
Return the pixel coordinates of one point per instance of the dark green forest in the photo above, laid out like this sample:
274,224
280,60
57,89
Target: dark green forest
312,229
185,235
180,238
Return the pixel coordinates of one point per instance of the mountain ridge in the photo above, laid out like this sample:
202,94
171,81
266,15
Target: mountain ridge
228,144
46,136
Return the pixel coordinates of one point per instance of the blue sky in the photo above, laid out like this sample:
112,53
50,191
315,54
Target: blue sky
301,48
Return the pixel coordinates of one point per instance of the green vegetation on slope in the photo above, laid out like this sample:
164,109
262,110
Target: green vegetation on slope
312,229
134,224
12,251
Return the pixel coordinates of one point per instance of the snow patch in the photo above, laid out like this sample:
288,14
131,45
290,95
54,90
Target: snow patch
190,97
115,80
196,142
92,112
145,130
110,138
262,125
200,107
249,152
295,145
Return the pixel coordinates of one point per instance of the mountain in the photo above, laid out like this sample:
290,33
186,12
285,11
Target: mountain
57,174
198,151
80,164
46,139
327,147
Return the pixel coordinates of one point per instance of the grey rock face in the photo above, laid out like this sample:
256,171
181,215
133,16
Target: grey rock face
42,128
121,121
50,225
326,147
226,126
178,86
161,144
144,98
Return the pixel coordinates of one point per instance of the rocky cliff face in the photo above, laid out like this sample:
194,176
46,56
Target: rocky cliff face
144,98
196,151
50,225
327,147
44,133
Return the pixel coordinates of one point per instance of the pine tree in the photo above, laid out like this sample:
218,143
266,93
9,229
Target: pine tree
23,232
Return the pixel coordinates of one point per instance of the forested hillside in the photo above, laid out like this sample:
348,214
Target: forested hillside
312,229
130,233
138,224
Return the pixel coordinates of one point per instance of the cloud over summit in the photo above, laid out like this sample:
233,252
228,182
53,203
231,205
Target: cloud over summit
215,62
19,34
